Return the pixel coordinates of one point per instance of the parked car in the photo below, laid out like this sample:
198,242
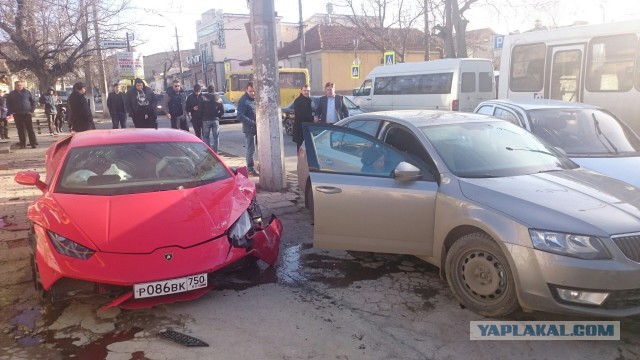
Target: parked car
159,109
510,220
230,112
63,96
144,215
288,114
590,136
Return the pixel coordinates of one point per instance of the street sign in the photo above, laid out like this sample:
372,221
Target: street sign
355,71
498,41
129,65
227,66
113,44
389,57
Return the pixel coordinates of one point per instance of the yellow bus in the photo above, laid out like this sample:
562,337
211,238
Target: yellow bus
291,80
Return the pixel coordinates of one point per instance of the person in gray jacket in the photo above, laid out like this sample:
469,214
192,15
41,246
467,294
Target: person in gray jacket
50,100
21,104
4,125
247,114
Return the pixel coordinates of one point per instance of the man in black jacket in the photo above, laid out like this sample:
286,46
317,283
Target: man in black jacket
303,113
117,110
247,114
175,103
21,104
193,108
140,103
331,107
80,116
212,109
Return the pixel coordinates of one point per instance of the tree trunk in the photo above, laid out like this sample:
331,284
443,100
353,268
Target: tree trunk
460,24
447,32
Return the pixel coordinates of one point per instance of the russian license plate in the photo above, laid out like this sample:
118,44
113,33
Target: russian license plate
172,286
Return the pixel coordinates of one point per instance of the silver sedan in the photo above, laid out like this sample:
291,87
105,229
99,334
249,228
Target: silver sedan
510,220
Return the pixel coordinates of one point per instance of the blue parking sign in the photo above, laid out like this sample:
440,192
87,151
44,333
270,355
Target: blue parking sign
355,71
498,41
389,57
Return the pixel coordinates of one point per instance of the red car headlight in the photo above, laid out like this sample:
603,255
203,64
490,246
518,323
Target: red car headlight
67,247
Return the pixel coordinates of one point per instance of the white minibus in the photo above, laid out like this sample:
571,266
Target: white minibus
445,84
593,64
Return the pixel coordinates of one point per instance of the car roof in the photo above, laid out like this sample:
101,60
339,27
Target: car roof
537,104
129,136
420,118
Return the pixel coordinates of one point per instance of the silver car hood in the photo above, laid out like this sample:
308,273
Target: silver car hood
622,168
229,107
575,201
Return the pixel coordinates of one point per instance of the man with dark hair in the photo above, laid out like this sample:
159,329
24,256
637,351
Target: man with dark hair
303,113
140,103
80,116
247,114
117,109
21,104
212,111
331,107
193,108
175,105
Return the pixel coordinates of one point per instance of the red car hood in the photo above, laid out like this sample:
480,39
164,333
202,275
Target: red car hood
141,223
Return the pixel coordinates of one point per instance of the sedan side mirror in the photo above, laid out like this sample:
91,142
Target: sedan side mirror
406,172
30,178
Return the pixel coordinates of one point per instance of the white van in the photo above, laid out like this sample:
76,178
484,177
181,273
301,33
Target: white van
445,84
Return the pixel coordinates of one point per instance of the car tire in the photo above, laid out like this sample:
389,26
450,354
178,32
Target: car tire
35,274
480,277
308,198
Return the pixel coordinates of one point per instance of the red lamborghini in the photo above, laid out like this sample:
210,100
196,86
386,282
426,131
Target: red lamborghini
143,215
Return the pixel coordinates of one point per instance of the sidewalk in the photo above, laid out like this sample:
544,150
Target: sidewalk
14,198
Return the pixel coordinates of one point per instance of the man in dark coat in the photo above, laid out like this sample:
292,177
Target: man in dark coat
331,107
80,116
302,112
193,108
175,104
117,110
212,110
21,104
140,103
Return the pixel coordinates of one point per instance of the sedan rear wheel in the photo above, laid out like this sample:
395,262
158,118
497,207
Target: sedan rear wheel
480,276
288,126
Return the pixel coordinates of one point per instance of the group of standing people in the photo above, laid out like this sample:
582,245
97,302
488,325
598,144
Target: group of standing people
205,110
331,109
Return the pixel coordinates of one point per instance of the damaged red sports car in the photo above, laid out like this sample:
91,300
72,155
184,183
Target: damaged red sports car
143,215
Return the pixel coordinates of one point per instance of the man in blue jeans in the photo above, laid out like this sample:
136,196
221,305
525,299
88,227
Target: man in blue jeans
247,114
211,110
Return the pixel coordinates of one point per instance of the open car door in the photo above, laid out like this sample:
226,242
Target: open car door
364,198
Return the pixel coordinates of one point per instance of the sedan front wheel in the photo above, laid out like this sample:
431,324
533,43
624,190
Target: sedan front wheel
480,276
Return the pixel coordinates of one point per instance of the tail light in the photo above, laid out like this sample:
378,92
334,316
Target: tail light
455,105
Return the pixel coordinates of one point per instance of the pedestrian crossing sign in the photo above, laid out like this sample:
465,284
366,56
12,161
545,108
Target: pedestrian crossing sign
389,57
355,71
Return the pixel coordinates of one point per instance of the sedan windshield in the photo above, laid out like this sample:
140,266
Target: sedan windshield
118,169
493,149
584,132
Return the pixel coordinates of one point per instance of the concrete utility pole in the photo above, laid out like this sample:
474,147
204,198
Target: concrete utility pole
179,56
427,37
270,145
88,79
103,82
303,52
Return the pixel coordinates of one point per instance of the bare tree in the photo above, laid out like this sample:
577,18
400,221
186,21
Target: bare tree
453,25
44,37
386,24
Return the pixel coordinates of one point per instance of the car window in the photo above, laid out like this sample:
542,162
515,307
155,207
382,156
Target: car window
369,127
349,104
138,168
342,150
493,149
584,132
506,115
468,82
225,100
404,141
485,109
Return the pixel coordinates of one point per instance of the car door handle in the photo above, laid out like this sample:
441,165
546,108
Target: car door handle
368,99
328,189
328,161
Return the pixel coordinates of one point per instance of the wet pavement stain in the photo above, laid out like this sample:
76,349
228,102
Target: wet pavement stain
96,349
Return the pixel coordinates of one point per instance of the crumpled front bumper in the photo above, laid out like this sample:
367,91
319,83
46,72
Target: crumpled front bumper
265,245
